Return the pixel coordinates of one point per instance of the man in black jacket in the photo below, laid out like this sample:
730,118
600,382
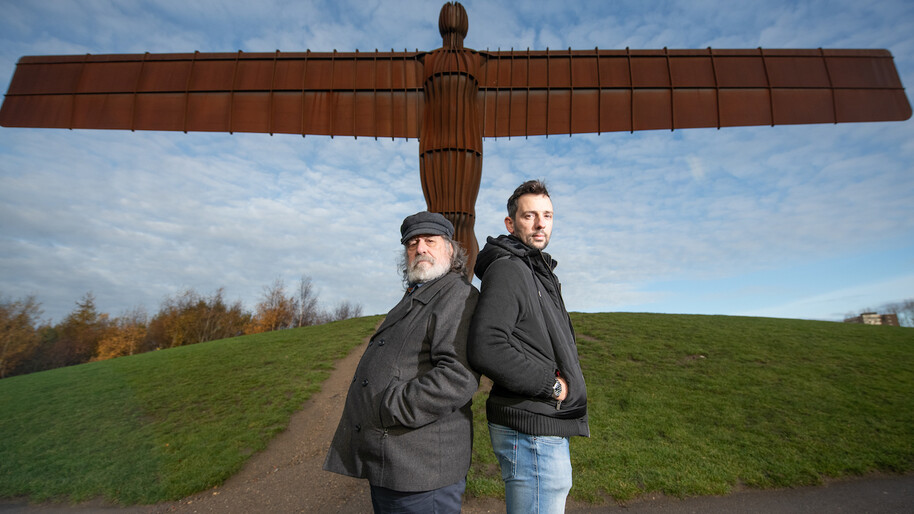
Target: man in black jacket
407,425
521,337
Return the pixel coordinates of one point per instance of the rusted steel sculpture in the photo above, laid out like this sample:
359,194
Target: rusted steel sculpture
452,97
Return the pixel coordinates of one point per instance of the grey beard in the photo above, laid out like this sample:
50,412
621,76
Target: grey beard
416,274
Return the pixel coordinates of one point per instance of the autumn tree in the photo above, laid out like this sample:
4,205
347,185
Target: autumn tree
275,310
78,334
18,333
125,336
190,318
42,358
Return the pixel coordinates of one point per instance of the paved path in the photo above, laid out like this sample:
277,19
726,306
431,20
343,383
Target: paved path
287,478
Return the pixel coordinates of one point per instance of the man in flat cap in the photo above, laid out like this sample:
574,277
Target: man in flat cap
407,426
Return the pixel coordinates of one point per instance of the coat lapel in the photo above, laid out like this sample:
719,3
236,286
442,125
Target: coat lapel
422,295
397,313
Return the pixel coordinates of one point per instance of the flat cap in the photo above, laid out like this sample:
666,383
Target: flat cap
425,224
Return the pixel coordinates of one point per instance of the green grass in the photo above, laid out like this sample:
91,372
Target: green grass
683,405
161,425
695,405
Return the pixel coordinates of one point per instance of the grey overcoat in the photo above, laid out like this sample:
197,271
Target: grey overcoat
407,423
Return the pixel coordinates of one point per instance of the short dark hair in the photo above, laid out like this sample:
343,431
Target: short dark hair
530,187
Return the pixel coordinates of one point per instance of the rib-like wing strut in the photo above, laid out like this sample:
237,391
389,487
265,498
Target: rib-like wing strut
375,94
578,91
521,93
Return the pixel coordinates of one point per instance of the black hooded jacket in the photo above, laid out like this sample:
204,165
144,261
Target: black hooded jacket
520,337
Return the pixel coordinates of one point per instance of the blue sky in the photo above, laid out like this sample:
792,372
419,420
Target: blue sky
811,221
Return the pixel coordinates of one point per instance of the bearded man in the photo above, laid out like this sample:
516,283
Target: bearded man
407,426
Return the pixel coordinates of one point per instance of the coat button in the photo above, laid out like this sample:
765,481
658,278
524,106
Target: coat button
358,428
364,382
381,342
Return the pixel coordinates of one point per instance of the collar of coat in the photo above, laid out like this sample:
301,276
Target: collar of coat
427,290
423,295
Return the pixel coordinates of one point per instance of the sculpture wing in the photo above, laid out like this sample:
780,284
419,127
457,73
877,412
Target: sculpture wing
330,93
565,92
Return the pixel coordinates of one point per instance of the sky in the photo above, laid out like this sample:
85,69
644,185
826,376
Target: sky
809,221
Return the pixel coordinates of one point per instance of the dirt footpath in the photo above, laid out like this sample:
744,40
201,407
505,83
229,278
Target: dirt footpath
287,478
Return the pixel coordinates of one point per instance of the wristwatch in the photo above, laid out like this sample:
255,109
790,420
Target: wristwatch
557,389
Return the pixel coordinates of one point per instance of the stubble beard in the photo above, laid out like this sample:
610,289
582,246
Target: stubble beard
533,243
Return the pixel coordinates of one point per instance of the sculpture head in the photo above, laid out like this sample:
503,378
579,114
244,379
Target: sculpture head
453,25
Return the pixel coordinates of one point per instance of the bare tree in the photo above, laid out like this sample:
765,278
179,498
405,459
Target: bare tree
275,311
345,310
907,311
904,310
308,312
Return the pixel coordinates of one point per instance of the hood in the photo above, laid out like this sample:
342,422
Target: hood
506,246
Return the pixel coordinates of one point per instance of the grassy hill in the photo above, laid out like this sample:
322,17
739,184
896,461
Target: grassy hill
686,405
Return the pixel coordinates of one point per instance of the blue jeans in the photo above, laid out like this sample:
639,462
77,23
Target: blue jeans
536,470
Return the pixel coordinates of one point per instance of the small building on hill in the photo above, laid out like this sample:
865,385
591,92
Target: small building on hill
872,318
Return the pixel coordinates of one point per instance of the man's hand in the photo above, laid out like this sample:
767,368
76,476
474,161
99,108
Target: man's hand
564,389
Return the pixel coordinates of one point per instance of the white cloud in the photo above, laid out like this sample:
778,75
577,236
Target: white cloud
837,304
135,217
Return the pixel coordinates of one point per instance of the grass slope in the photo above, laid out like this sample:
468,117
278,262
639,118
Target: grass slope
161,425
685,405
694,405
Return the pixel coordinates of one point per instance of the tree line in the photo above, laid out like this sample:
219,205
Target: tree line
903,309
28,344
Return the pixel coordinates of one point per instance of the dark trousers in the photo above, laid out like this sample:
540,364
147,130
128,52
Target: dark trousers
444,500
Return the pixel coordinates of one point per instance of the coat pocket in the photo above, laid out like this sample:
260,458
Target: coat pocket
388,404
